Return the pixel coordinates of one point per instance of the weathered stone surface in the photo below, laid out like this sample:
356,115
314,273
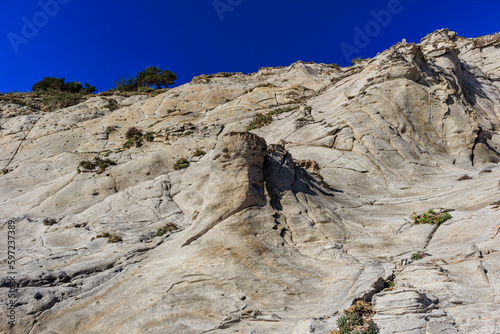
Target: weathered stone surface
280,228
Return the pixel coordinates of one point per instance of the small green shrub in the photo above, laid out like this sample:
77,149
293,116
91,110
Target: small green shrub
103,235
109,130
112,105
181,164
112,238
282,110
129,143
4,171
133,133
431,217
187,133
417,256
199,153
346,322
444,217
134,137
149,136
260,120
98,163
167,228
371,328
357,320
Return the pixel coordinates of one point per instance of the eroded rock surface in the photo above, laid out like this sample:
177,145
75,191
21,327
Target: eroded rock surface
278,229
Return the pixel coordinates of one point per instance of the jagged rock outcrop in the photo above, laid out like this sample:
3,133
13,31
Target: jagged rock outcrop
278,229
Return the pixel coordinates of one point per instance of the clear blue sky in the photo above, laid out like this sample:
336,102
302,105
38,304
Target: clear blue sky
99,41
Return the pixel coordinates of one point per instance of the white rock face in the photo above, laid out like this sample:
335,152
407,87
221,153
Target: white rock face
279,228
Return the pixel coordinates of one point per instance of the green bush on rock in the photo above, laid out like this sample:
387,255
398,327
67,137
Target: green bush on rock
112,238
199,153
431,217
135,137
260,120
357,320
165,229
99,165
181,164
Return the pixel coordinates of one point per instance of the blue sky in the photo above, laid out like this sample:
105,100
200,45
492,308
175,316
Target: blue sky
99,41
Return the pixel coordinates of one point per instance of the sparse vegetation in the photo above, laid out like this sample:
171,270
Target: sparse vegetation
103,235
391,284
132,133
146,89
260,120
187,133
4,171
149,136
134,137
199,153
357,320
417,256
465,177
431,217
109,130
99,165
112,105
112,238
282,110
181,164
357,60
59,100
109,92
137,142
157,92
165,229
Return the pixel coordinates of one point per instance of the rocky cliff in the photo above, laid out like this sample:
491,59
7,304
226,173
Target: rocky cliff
272,230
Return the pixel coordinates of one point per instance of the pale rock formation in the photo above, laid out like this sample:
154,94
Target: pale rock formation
280,228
